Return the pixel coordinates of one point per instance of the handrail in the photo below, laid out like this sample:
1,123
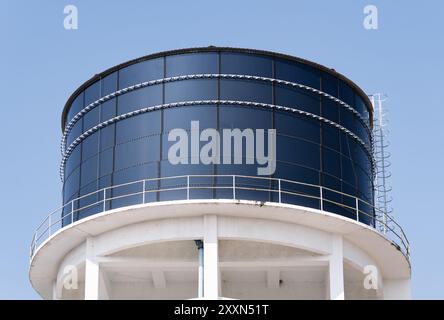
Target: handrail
65,215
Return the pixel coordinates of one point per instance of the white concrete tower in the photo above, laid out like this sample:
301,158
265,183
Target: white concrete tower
251,250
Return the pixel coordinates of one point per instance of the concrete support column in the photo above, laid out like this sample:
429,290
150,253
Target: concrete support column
211,258
335,283
95,280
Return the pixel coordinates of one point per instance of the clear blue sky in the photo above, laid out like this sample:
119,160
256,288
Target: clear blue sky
42,64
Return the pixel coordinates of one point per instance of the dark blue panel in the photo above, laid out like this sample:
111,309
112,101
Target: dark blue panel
137,152
75,132
241,117
107,137
334,183
347,119
361,131
362,159
330,84
331,162
332,200
253,189
298,73
245,90
138,126
88,204
239,169
346,147
364,185
346,93
181,117
129,175
193,63
296,125
90,146
91,119
330,110
108,110
76,106
105,181
72,184
349,200
348,171
366,213
198,184
245,64
141,72
295,193
88,171
360,106
140,98
109,84
190,90
353,145
297,151
298,99
92,93
73,160
330,137
246,188
168,170
67,215
106,162
145,171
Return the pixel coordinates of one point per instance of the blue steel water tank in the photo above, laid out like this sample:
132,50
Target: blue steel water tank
116,128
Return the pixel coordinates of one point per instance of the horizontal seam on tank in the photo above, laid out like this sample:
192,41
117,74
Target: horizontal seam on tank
203,102
201,76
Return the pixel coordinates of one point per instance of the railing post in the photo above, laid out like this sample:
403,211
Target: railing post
49,225
104,199
72,211
321,196
32,245
188,187
357,208
234,187
35,242
143,191
279,186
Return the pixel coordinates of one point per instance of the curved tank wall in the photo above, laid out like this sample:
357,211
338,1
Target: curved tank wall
320,140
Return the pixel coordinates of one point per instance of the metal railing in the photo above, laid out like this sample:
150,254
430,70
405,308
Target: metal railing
234,187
